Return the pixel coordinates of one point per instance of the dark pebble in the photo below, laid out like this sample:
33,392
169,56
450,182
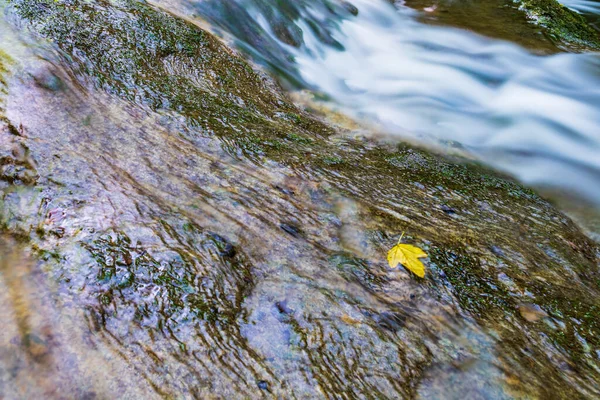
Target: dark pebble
448,210
226,249
283,308
292,230
263,385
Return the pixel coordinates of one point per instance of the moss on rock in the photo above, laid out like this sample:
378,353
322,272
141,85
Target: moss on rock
561,23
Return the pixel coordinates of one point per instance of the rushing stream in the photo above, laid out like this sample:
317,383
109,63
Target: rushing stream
173,226
536,117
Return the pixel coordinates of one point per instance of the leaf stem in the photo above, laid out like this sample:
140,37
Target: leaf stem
401,236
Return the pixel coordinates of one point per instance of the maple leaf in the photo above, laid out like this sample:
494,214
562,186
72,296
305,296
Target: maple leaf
407,255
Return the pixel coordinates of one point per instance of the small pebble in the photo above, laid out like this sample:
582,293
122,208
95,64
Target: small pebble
292,230
448,210
531,312
283,308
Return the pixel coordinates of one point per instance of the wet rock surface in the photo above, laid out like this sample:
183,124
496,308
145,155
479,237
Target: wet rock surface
545,26
561,23
205,238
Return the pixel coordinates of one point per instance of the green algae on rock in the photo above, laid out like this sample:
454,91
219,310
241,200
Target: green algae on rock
561,23
219,242
544,26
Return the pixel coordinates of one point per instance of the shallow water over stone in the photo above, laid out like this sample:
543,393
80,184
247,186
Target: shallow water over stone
175,227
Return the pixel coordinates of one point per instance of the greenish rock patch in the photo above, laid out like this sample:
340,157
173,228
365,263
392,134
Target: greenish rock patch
561,23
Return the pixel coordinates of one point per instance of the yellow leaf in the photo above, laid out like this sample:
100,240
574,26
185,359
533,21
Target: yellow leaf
407,255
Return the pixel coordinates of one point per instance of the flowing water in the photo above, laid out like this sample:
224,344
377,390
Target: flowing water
534,116
173,227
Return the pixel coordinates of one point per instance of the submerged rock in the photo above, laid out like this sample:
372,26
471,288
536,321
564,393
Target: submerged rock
170,168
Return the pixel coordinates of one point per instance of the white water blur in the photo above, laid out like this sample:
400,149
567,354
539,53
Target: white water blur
537,117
